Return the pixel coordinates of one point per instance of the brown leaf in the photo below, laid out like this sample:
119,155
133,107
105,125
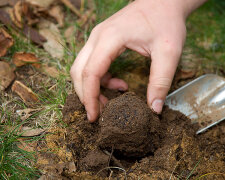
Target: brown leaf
73,6
29,32
23,58
54,44
6,75
6,41
13,18
183,75
186,74
5,18
28,131
86,17
76,3
26,113
32,13
41,3
7,2
24,92
17,13
51,71
3,3
34,35
70,34
71,167
57,13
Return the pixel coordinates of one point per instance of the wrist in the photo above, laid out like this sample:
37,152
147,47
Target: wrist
182,8
191,5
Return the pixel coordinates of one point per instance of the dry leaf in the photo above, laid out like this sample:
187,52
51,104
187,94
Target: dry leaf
76,3
88,16
182,74
6,41
188,66
54,44
41,3
28,131
17,13
53,170
34,35
57,13
22,58
26,113
73,5
72,167
69,34
13,19
8,2
32,14
51,71
5,18
6,75
3,3
29,32
24,92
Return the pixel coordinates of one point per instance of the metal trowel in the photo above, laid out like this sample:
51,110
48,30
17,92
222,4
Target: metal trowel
202,100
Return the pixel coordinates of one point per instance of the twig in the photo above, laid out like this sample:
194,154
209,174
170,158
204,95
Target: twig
113,167
111,173
73,8
110,155
117,162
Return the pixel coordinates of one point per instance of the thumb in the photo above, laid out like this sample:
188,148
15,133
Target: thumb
162,70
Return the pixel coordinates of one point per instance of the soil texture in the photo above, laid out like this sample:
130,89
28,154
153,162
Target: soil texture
130,142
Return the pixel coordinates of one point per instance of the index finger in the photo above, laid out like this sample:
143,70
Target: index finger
97,65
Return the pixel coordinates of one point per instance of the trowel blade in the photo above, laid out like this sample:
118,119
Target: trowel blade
202,100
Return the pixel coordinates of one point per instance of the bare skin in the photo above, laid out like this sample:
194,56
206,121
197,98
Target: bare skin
152,28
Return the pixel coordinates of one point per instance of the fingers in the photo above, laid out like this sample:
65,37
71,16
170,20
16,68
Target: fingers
80,62
164,63
95,68
113,83
78,66
91,66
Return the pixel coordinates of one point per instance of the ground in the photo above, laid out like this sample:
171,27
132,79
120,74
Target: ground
49,150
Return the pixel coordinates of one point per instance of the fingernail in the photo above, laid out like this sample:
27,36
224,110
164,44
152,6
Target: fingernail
157,105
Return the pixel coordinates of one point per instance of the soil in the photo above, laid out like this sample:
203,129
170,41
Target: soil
130,142
128,126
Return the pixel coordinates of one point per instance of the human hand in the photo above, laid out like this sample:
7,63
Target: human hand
152,28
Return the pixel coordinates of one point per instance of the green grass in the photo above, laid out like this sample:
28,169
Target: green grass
15,163
205,38
105,8
206,34
53,100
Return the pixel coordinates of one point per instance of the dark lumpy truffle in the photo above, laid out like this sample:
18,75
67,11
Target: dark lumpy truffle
128,126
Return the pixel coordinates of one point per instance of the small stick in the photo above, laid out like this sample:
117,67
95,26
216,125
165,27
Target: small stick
117,162
111,173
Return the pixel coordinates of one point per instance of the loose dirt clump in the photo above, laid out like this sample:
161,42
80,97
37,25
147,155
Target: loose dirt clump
128,126
129,141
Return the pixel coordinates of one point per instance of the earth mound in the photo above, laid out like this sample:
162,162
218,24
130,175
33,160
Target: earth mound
130,142
128,126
